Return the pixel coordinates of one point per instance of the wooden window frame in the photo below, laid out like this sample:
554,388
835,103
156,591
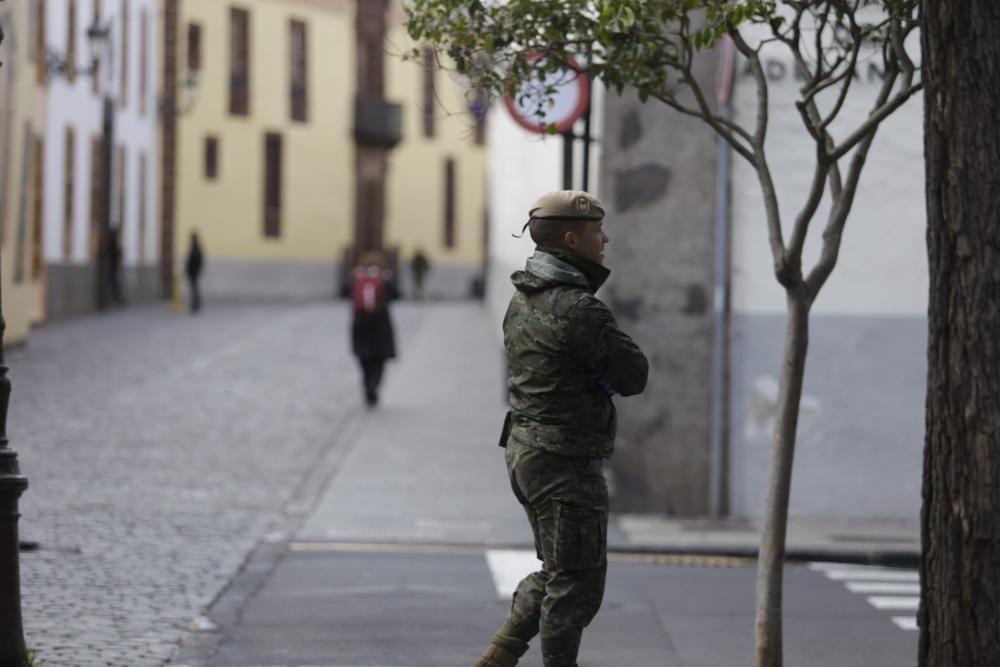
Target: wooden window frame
69,186
41,53
97,177
429,92
273,184
449,202
194,47
38,192
143,59
95,79
239,61
211,158
71,41
124,49
298,37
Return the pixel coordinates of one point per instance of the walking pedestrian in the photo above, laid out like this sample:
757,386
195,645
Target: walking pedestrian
372,287
566,358
419,266
193,265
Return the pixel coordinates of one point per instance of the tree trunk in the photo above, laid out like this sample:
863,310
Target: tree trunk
771,560
959,621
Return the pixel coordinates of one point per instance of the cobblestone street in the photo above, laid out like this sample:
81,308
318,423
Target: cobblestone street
160,449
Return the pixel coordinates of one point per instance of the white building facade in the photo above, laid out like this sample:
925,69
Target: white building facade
75,173
862,426
861,430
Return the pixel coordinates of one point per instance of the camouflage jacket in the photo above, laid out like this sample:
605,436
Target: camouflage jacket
565,357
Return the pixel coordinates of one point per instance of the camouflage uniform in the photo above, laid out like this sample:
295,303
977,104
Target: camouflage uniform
566,356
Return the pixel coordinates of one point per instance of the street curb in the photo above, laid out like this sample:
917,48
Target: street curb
872,557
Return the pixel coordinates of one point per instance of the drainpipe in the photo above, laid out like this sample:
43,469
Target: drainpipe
719,455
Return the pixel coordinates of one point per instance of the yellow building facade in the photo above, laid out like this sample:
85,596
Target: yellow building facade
266,156
21,141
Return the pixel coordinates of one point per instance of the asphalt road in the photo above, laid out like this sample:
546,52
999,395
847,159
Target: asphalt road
339,605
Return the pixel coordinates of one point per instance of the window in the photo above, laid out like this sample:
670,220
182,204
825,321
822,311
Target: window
69,141
143,59
299,73
41,56
272,185
26,207
211,158
449,203
71,41
239,62
95,79
479,110
96,194
38,192
124,52
194,47
429,92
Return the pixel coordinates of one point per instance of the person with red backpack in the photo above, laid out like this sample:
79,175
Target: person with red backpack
373,342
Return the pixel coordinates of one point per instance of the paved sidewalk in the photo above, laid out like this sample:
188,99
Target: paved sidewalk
160,449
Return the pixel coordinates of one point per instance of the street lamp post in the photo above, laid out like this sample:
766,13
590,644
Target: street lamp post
12,485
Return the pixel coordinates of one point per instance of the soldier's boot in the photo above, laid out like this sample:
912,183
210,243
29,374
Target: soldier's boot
502,652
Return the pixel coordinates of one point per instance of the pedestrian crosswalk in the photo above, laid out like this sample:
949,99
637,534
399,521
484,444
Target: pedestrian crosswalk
508,567
891,590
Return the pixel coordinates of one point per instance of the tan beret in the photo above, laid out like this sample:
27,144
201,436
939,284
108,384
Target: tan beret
568,205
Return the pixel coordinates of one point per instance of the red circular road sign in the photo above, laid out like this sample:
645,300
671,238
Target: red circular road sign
531,108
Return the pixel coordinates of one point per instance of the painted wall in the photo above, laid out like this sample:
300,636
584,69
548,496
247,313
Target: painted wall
319,156
861,430
69,247
416,185
317,198
20,126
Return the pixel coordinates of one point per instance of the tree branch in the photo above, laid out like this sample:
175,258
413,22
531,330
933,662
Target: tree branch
884,106
726,129
775,234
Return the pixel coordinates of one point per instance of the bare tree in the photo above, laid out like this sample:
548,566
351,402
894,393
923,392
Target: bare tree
650,45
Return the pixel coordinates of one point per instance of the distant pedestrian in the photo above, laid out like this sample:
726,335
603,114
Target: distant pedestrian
566,358
372,286
419,267
115,267
193,265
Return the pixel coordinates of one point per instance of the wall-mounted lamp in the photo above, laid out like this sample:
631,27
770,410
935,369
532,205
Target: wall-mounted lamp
169,107
98,36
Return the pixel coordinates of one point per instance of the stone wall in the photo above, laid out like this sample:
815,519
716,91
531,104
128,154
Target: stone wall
658,177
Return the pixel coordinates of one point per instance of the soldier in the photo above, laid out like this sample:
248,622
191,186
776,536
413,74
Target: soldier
566,358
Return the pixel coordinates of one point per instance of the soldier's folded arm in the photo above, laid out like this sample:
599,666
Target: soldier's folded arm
595,337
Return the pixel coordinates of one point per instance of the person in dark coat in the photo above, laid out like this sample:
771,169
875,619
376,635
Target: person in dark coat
420,266
372,286
192,268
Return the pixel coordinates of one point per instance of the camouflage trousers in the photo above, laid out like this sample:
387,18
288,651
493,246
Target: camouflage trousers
566,500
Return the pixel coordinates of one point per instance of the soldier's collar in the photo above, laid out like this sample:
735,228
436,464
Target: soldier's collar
595,274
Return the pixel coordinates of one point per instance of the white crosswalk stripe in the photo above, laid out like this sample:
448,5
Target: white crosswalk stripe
885,589
508,567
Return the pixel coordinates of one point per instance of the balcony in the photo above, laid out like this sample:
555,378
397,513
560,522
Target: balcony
377,123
